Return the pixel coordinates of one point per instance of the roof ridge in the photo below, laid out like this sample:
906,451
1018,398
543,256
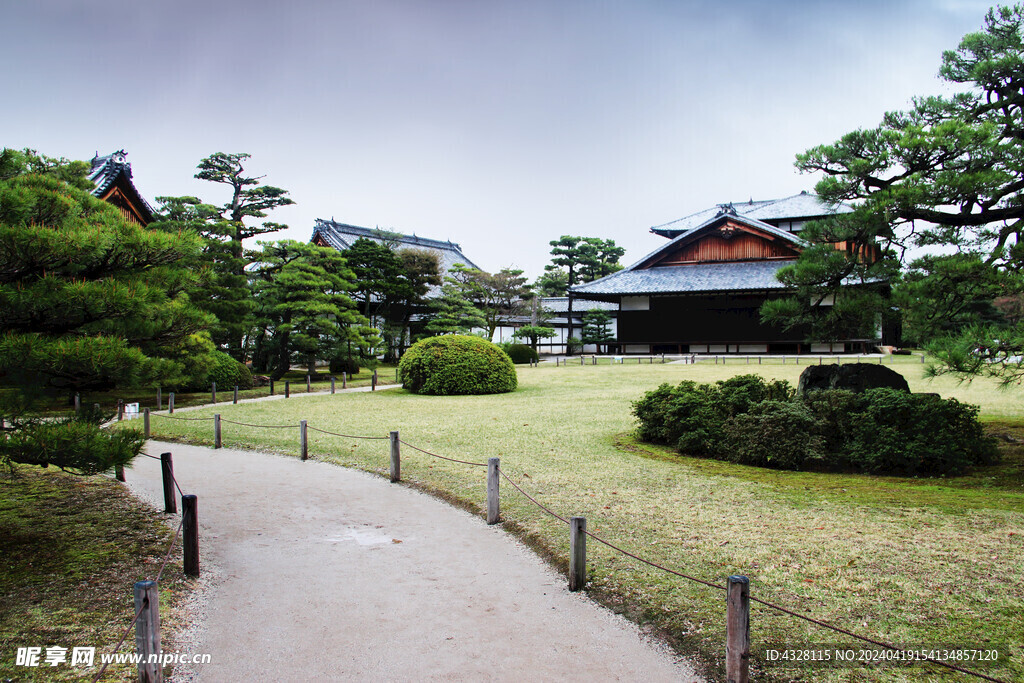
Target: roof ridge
383,234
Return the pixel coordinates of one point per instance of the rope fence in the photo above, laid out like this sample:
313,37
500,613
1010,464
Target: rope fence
578,525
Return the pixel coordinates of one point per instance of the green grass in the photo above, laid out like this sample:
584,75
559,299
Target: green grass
915,561
71,549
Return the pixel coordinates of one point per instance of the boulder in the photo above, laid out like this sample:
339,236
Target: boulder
856,377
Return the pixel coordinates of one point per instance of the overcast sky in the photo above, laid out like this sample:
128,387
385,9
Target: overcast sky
500,125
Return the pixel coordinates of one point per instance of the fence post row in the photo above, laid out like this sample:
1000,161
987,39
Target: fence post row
396,458
190,533
373,384
737,638
236,395
170,403
147,631
159,399
332,384
213,392
344,380
577,553
309,384
216,430
303,443
145,422
493,497
287,388
167,470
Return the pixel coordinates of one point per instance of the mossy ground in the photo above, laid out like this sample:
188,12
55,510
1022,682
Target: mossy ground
71,548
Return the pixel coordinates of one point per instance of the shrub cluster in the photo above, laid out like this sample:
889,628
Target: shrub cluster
456,365
520,353
345,364
226,372
753,422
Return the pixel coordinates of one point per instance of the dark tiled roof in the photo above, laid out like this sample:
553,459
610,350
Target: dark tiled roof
560,304
803,206
341,236
699,277
107,169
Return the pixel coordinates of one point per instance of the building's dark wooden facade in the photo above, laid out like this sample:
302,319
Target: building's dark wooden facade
702,291
112,175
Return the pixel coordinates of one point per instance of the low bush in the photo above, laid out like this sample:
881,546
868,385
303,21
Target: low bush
457,365
226,372
750,421
521,353
345,364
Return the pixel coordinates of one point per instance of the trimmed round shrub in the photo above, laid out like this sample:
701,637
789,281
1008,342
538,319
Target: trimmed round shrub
457,364
521,353
227,372
776,434
344,364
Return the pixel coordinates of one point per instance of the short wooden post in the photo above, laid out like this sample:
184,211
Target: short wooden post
213,392
271,386
147,632
373,381
303,442
493,498
737,644
167,472
396,458
783,360
170,403
190,532
577,553
120,409
287,389
748,360
235,399
759,360
145,422
581,360
922,358
819,360
344,380
309,384
716,360
396,375
119,472
839,360
880,360
332,384
78,403
159,399
216,430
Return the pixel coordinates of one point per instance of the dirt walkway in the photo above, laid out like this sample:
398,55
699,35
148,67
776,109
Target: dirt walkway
325,573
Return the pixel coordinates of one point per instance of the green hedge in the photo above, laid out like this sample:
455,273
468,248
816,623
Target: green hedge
520,353
457,365
753,422
226,372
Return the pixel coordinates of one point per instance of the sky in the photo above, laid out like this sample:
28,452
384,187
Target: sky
497,124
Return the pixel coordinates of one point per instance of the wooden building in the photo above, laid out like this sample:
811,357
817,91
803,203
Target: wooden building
701,292
112,176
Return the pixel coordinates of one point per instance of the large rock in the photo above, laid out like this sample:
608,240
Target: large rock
856,377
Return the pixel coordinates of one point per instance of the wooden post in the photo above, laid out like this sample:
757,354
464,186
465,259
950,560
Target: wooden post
190,531
783,359
396,458
120,409
839,360
170,403
271,386
373,381
396,375
303,442
287,389
922,358
216,430
159,399
167,470
213,392
235,400
737,644
344,380
119,472
581,360
493,499
577,553
147,632
309,383
145,422
332,384
78,403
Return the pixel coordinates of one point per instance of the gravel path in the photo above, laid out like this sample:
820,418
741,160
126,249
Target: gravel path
317,572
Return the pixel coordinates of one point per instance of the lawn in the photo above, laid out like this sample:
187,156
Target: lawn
913,561
71,548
